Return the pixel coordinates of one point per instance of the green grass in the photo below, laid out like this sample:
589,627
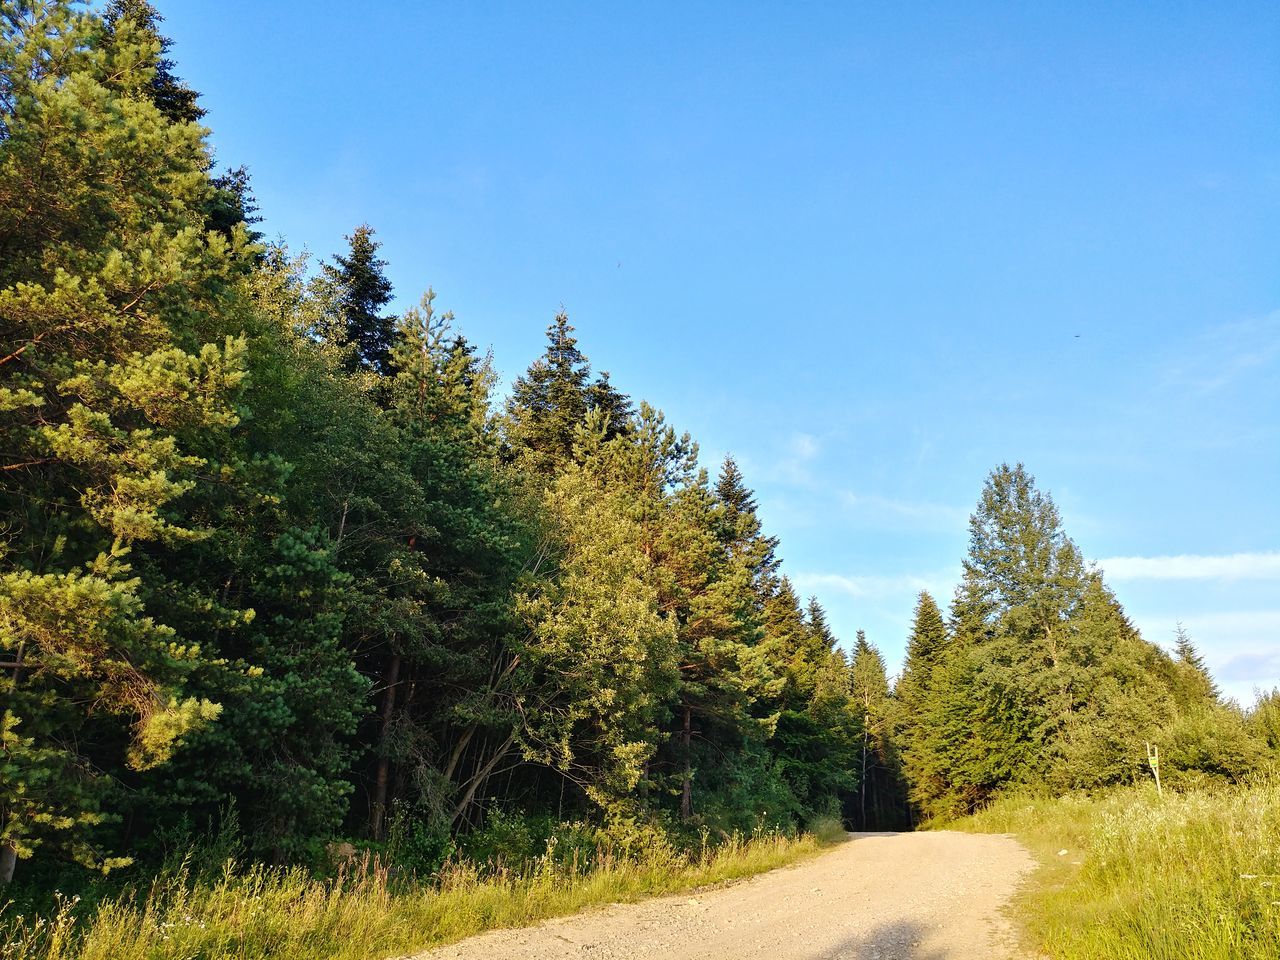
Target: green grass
259,913
1187,876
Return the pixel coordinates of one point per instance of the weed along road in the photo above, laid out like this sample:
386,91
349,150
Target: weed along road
879,896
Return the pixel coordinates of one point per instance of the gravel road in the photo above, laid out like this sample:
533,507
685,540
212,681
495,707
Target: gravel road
881,896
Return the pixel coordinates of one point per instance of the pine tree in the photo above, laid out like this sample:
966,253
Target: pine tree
108,386
704,589
600,663
133,26
137,20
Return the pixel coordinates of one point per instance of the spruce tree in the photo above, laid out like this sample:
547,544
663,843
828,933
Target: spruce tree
1044,679
877,773
363,332
915,688
741,529
1195,684
549,402
552,399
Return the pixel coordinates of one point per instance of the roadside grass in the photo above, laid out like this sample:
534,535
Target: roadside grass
1129,875
256,913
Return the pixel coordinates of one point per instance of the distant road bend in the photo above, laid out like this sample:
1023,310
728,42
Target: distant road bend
881,896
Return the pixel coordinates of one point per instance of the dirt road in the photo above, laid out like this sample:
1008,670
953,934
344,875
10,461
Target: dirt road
907,896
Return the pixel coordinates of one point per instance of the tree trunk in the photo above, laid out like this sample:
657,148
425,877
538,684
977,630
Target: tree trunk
378,809
8,852
477,780
8,861
866,719
686,792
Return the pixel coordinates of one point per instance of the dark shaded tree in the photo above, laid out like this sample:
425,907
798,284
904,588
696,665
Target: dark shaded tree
361,330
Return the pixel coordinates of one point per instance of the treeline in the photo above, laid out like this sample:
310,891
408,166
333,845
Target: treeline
272,554
1038,680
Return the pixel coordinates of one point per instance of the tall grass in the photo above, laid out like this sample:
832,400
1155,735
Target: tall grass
255,912
1130,875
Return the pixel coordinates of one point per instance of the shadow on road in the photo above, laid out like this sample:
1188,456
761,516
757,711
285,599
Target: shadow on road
901,940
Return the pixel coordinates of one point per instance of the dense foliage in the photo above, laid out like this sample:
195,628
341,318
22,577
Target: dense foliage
273,553
1040,681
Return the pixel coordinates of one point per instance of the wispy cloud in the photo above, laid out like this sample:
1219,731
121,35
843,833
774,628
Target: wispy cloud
871,586
1228,353
793,465
805,446
1234,566
914,513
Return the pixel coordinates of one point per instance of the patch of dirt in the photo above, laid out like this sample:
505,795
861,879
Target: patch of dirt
881,896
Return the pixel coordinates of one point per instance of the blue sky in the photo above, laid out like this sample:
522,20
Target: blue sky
872,251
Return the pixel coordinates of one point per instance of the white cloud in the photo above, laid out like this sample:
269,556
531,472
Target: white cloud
1235,566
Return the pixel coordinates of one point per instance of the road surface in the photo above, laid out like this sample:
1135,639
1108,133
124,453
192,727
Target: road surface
880,896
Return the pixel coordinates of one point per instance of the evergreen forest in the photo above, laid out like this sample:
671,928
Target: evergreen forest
283,568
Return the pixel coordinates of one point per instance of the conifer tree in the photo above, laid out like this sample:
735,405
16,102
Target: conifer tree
741,530
877,774
914,692
600,662
362,330
816,734
551,401
1044,679
108,385
1195,684
457,719
703,589
1264,720
138,22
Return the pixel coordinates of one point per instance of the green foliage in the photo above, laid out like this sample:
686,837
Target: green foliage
600,660
1264,720
552,400
1043,681
112,383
